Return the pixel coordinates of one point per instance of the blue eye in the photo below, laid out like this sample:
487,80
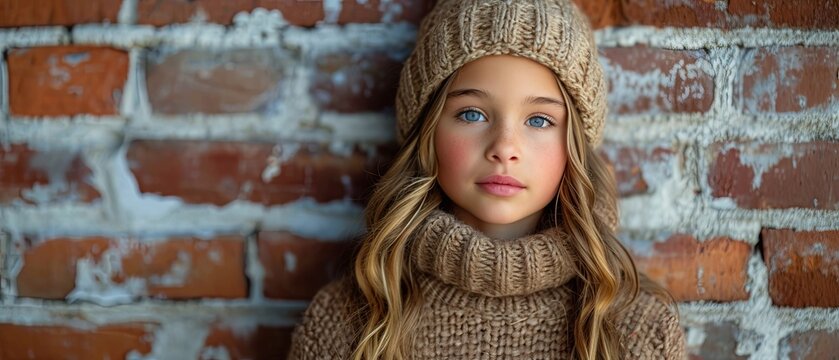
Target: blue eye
540,122
470,116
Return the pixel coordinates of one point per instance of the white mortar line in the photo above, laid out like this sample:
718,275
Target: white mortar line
26,311
4,89
33,36
349,37
303,217
703,38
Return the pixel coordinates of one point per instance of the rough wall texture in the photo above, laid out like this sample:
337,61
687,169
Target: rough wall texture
177,178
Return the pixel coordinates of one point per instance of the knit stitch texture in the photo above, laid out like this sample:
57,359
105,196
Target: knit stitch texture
488,299
554,33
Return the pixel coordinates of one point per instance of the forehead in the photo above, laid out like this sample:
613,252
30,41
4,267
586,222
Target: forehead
514,75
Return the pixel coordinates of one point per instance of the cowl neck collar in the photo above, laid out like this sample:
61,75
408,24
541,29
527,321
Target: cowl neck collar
462,256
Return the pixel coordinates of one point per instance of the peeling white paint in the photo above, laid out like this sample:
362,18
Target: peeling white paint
175,340
761,158
331,11
214,353
127,12
290,260
390,10
94,279
254,269
280,154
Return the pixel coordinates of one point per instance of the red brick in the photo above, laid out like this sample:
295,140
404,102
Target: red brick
49,268
602,13
776,176
220,172
788,79
66,80
810,345
356,82
61,342
211,268
214,82
633,166
296,12
16,13
164,12
714,269
296,267
719,342
23,169
675,14
737,13
645,80
177,268
374,11
782,13
261,342
803,267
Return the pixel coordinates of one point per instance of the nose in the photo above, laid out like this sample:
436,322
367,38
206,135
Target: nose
504,146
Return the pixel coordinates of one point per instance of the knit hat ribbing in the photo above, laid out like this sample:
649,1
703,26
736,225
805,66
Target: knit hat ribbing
554,33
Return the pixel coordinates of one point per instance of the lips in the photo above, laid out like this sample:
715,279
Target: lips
501,185
501,180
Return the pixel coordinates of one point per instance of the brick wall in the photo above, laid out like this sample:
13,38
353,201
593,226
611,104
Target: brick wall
178,178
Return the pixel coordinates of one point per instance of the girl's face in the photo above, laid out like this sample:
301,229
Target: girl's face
500,144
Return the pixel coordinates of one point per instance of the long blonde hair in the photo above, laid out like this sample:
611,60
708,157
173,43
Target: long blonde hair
389,298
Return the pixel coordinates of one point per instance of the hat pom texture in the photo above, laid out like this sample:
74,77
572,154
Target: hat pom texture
554,33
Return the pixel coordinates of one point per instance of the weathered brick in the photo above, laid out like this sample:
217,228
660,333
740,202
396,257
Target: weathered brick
810,345
602,13
215,81
733,14
66,80
782,13
356,81
15,13
177,268
719,341
776,175
221,172
645,80
675,14
159,13
636,168
296,267
296,12
259,342
803,267
43,176
62,342
714,269
49,268
788,79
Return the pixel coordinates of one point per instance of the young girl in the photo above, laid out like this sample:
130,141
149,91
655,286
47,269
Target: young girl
492,235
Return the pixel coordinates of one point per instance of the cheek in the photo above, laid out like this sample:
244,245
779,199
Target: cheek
453,158
554,156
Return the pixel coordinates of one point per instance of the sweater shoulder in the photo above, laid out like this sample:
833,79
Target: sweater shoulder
652,329
325,330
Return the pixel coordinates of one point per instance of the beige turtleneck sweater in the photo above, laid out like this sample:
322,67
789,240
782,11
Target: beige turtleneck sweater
488,299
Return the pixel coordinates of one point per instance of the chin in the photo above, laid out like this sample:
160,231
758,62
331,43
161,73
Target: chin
499,216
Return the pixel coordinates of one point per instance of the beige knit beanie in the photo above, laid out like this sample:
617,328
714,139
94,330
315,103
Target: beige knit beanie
554,33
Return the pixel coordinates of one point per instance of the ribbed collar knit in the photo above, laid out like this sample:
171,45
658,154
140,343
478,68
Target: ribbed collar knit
460,255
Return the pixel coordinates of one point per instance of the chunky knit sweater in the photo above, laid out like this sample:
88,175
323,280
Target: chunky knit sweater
488,299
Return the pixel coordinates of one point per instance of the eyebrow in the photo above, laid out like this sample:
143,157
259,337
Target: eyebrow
483,94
